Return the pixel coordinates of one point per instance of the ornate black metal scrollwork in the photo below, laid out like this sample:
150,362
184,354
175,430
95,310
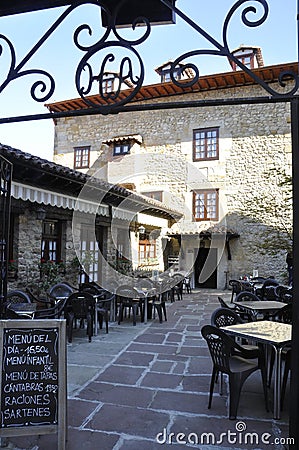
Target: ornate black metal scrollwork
223,49
113,48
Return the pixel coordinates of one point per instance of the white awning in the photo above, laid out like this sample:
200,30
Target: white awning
33,194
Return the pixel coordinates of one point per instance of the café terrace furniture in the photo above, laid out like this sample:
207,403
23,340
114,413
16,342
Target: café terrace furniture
128,298
57,311
59,291
265,308
187,284
24,310
104,304
18,296
81,306
275,334
284,293
223,304
267,289
234,360
155,302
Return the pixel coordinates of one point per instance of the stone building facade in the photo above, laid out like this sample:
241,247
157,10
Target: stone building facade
250,175
66,225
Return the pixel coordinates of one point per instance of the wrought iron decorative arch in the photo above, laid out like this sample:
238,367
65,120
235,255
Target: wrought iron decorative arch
131,66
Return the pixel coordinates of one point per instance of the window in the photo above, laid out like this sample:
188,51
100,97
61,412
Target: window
147,250
246,59
156,195
165,75
205,144
205,205
51,241
107,85
121,148
81,157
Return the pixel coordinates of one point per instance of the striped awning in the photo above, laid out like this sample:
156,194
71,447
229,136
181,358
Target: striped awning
41,196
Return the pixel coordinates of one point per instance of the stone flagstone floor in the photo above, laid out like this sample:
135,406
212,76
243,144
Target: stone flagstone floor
146,388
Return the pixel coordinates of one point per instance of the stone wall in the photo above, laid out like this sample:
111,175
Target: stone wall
255,145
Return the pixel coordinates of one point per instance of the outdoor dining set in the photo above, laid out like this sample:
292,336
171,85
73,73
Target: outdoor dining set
90,305
252,333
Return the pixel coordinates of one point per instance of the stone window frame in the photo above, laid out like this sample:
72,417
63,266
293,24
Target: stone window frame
206,205
82,157
203,142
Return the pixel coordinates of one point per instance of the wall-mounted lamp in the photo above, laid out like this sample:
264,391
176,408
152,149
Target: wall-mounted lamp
41,214
140,230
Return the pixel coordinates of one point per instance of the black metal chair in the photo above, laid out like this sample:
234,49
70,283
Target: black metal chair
234,360
81,306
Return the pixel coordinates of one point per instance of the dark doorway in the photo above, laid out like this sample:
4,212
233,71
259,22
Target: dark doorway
205,268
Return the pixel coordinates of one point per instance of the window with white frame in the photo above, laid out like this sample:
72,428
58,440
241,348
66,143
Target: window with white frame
81,157
205,144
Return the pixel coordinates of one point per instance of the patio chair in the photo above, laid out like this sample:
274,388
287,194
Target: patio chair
236,288
222,317
103,302
18,296
58,291
237,362
267,290
156,302
128,298
81,306
283,293
232,307
245,296
55,312
187,285
225,305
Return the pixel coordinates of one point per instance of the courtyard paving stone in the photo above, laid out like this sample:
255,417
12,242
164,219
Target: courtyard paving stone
137,386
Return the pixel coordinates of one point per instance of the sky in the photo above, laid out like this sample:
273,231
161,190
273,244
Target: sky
59,56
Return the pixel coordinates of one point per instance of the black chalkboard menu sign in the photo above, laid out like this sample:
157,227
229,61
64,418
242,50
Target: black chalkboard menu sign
33,377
